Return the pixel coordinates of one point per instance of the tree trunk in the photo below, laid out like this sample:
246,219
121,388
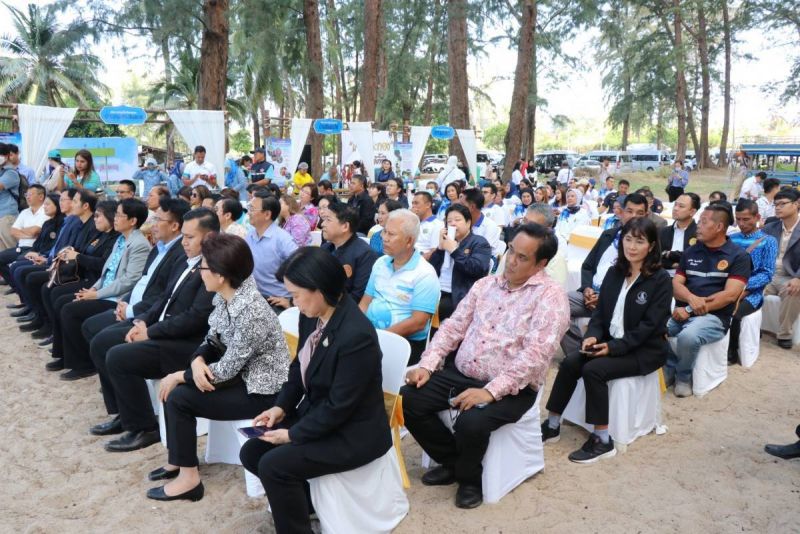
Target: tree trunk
214,56
355,91
690,124
315,98
659,123
433,49
256,128
331,28
626,95
680,82
533,99
166,56
703,159
369,81
457,61
522,77
723,143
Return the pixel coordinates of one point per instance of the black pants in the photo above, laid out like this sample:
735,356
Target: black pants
464,448
9,256
744,309
284,471
19,273
34,283
186,403
100,344
596,372
446,307
74,348
417,348
58,297
674,193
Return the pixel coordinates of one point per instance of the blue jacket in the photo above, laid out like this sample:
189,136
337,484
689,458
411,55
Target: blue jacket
470,263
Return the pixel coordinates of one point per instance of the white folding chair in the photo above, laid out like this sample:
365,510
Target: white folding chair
289,320
711,366
581,241
750,339
154,386
770,322
634,408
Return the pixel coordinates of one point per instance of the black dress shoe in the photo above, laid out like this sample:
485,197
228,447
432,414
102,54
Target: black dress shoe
77,374
44,332
112,426
787,452
194,494
21,312
785,343
439,476
45,342
133,441
469,496
55,365
15,306
31,327
162,474
27,318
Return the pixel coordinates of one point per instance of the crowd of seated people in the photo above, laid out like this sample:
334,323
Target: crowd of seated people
194,302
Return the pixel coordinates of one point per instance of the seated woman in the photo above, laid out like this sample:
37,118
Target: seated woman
376,232
198,195
294,221
572,215
228,212
234,375
309,198
526,197
451,193
459,262
626,337
331,413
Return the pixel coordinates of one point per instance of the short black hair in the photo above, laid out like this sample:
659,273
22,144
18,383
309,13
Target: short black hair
424,194
315,269
234,207
359,177
176,207
227,255
723,207
695,198
345,215
133,207
5,150
332,199
624,182
129,183
761,175
38,187
392,205
398,182
185,192
107,208
473,195
787,194
87,197
745,204
770,184
71,192
548,244
641,227
635,198
271,204
199,148
460,208
245,158
324,183
255,188
14,149
720,194
206,219
491,186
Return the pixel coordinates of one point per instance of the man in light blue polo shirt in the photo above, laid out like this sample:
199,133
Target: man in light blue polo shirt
403,290
271,245
9,186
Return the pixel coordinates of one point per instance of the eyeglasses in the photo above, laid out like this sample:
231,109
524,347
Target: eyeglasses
120,215
782,204
194,195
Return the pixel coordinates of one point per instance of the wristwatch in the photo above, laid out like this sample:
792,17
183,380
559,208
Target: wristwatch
689,310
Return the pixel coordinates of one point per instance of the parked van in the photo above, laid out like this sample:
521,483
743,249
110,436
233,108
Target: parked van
647,159
550,160
614,157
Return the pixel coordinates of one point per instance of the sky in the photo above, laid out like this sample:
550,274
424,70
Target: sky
580,97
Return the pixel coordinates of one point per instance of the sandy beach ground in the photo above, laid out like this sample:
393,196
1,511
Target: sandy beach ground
707,474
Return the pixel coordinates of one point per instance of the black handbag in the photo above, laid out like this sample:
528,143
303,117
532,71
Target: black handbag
62,272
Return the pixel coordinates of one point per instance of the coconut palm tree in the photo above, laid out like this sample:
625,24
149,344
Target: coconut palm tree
48,62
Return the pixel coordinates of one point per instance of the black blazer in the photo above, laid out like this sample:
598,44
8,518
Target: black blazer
647,310
94,254
48,235
365,207
589,267
470,263
161,276
186,322
791,258
340,414
667,235
357,258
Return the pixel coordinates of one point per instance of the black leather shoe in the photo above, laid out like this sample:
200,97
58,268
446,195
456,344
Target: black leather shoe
439,476
469,496
133,441
785,343
77,374
31,327
55,365
787,452
45,332
112,426
162,474
45,342
15,306
21,312
27,318
194,494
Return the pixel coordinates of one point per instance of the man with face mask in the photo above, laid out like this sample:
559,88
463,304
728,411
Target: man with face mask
9,186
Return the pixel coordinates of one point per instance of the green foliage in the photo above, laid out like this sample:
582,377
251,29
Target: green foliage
241,142
494,137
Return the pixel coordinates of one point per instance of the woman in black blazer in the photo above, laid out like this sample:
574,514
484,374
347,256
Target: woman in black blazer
626,337
329,416
469,258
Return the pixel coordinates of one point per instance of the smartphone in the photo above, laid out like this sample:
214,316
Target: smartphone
451,232
257,431
591,350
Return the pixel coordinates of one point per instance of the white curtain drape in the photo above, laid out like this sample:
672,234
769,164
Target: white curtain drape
419,139
361,135
203,127
467,140
41,128
299,135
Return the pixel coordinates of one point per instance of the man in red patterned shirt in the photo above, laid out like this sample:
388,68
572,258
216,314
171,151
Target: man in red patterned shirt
503,336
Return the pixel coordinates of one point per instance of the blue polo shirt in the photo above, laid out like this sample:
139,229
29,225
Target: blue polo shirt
708,269
396,294
270,250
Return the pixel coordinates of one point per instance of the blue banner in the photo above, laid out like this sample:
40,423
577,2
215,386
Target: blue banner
443,132
123,115
328,126
115,158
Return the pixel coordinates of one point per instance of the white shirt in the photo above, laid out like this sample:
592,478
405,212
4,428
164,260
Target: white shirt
446,274
497,214
516,177
766,208
565,225
557,266
193,168
607,260
564,175
617,326
192,263
429,230
750,189
26,219
488,229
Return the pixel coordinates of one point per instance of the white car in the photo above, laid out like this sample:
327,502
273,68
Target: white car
689,164
587,163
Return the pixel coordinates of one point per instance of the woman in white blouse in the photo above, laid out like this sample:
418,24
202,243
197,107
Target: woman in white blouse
572,215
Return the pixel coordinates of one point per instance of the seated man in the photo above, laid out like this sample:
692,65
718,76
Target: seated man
429,225
763,250
608,200
362,203
602,256
494,378
657,219
159,341
682,233
26,226
786,282
403,290
491,209
126,189
542,214
355,254
472,198
710,279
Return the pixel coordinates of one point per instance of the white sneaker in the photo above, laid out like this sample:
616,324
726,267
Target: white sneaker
682,389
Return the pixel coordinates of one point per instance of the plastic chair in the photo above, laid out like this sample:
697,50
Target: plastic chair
154,386
750,339
581,241
222,447
711,367
634,408
515,453
769,321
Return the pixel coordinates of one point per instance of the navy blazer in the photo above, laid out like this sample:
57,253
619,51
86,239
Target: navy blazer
666,236
791,258
471,261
